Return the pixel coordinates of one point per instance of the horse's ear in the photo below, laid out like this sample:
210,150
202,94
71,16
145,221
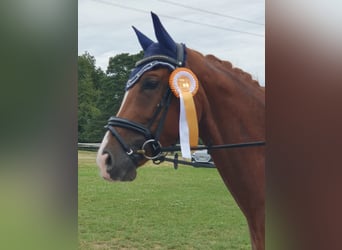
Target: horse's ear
163,37
144,41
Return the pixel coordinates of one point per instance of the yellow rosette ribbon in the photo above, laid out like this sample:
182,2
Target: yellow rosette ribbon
184,85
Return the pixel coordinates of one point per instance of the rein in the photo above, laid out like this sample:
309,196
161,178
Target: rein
151,148
221,146
161,158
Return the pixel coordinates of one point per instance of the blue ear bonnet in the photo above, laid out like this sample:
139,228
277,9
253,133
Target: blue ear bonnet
165,52
158,49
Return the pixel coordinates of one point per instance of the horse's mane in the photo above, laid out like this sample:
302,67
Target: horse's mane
227,67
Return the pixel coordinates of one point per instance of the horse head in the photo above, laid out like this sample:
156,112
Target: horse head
149,111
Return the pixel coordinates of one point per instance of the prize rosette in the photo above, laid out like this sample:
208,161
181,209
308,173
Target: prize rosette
184,85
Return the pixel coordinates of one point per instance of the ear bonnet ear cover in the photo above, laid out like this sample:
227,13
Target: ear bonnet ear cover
164,47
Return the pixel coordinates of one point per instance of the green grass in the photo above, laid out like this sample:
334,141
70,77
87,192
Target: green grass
188,208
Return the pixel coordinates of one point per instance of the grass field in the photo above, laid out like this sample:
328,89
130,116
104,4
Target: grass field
188,208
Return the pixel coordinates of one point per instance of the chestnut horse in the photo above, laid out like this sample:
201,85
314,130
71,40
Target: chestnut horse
230,108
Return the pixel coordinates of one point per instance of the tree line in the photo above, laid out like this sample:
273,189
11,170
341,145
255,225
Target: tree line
100,93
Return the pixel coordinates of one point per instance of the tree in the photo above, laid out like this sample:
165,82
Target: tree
100,94
88,78
113,88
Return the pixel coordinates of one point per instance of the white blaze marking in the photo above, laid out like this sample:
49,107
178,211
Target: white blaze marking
123,102
101,158
104,142
106,136
102,146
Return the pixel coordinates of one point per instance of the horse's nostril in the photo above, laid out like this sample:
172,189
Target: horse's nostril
108,161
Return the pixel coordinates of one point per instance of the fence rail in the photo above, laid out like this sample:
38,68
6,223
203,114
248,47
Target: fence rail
88,146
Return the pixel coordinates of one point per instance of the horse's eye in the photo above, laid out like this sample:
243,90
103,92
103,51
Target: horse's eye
150,84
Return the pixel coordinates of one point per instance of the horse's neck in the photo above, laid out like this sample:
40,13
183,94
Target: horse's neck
233,108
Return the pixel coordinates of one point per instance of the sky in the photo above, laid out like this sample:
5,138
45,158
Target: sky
232,30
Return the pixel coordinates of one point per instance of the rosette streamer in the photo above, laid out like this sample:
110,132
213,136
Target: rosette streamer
184,84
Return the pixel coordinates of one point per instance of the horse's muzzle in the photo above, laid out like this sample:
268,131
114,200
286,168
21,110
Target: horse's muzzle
111,172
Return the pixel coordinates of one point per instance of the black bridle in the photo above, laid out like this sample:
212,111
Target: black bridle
152,149
151,139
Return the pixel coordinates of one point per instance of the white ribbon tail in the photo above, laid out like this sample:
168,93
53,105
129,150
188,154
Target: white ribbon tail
184,131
